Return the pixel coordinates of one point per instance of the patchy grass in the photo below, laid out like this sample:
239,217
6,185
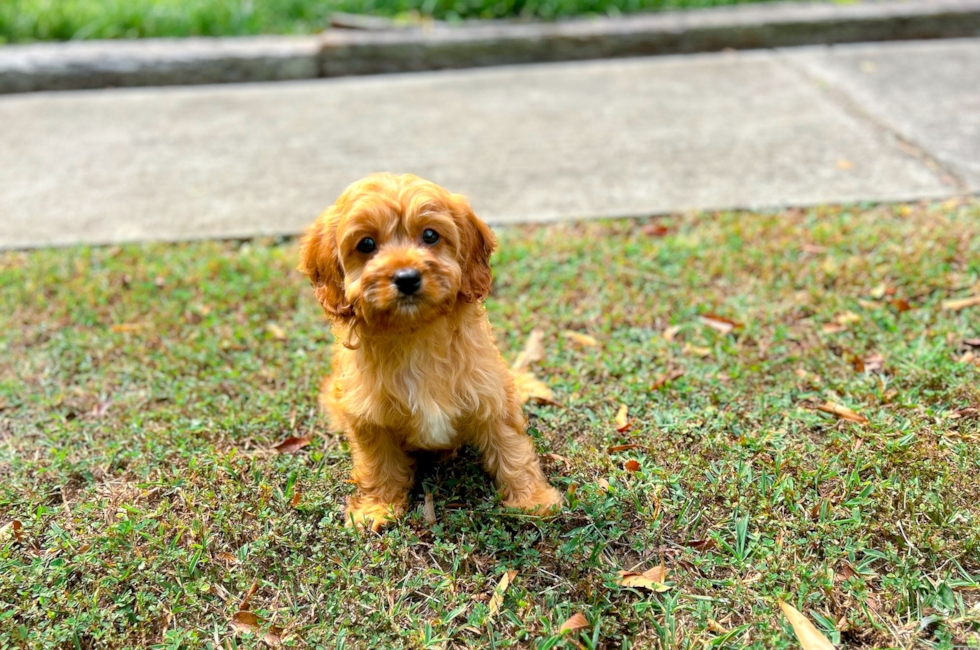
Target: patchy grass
61,20
143,387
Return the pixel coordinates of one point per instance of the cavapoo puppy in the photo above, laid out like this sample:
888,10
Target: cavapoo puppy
401,267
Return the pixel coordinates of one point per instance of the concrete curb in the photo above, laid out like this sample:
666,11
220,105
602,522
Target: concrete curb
158,62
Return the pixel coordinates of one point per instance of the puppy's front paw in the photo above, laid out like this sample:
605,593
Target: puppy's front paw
543,501
367,513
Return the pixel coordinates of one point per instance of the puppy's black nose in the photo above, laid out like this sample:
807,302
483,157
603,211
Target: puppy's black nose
408,281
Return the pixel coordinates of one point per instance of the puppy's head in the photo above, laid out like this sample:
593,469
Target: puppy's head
396,252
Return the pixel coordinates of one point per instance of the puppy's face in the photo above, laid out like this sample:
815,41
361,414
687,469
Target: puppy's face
397,251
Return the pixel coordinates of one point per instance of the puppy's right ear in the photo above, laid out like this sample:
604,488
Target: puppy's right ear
320,260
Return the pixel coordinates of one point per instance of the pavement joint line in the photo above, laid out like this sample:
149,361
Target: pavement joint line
839,96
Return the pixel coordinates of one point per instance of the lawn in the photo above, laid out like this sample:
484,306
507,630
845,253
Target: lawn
59,20
144,388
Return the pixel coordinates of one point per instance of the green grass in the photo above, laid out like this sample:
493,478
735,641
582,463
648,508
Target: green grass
58,20
142,387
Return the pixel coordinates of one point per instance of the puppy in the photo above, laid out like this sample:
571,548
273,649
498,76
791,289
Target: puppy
401,267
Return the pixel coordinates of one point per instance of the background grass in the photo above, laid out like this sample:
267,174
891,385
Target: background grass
143,387
59,20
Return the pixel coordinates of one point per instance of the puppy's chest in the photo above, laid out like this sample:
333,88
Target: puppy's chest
424,407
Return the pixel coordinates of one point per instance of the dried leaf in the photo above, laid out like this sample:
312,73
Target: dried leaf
966,412
603,484
498,594
845,573
226,558
533,351
963,303
275,331
655,230
846,318
127,327
901,305
429,510
530,388
616,448
973,343
696,350
622,419
968,357
809,636
292,444
297,495
813,249
100,409
671,333
631,466
842,412
575,622
873,362
12,529
244,621
558,459
702,544
720,323
662,380
651,579
580,339
833,328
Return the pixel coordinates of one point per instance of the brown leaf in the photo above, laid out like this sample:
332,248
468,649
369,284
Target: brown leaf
530,388
873,362
292,444
901,305
662,380
275,331
696,350
842,412
655,230
580,339
533,351
720,323
967,357
813,249
498,594
846,318
702,544
833,328
846,572
100,409
615,448
227,558
429,510
966,412
575,622
651,579
248,596
297,495
671,333
245,621
809,636
963,303
558,459
631,466
973,343
12,529
127,327
622,419
603,484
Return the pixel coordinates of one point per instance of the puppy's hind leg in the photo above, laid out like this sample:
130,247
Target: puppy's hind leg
383,473
509,456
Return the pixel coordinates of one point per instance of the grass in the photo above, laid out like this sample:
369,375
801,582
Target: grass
60,20
143,387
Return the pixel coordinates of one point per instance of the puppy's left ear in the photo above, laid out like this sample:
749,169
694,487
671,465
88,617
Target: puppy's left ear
477,243
319,260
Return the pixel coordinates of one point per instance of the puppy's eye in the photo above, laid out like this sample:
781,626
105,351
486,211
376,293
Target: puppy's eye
430,236
366,245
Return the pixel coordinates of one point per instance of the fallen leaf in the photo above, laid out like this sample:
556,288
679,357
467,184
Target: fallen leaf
702,544
530,388
845,573
716,627
631,466
833,328
651,579
297,495
808,376
616,448
533,351
574,623
720,323
873,362
498,594
127,327
968,357
603,484
248,596
966,412
842,412
244,621
671,332
973,343
581,339
559,459
227,558
275,331
813,249
622,420
292,444
100,409
809,636
963,303
846,318
662,380
696,350
429,510
901,305
12,529
870,305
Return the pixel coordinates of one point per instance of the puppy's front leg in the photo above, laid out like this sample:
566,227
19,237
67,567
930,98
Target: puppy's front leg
383,472
509,456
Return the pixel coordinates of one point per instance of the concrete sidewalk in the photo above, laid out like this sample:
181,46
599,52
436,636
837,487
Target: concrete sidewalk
573,140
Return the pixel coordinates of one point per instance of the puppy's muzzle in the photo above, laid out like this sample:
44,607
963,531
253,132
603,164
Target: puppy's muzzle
407,281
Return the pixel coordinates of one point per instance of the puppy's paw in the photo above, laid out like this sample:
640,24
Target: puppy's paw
544,501
369,514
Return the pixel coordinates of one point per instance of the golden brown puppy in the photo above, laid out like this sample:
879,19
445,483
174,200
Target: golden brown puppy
401,267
